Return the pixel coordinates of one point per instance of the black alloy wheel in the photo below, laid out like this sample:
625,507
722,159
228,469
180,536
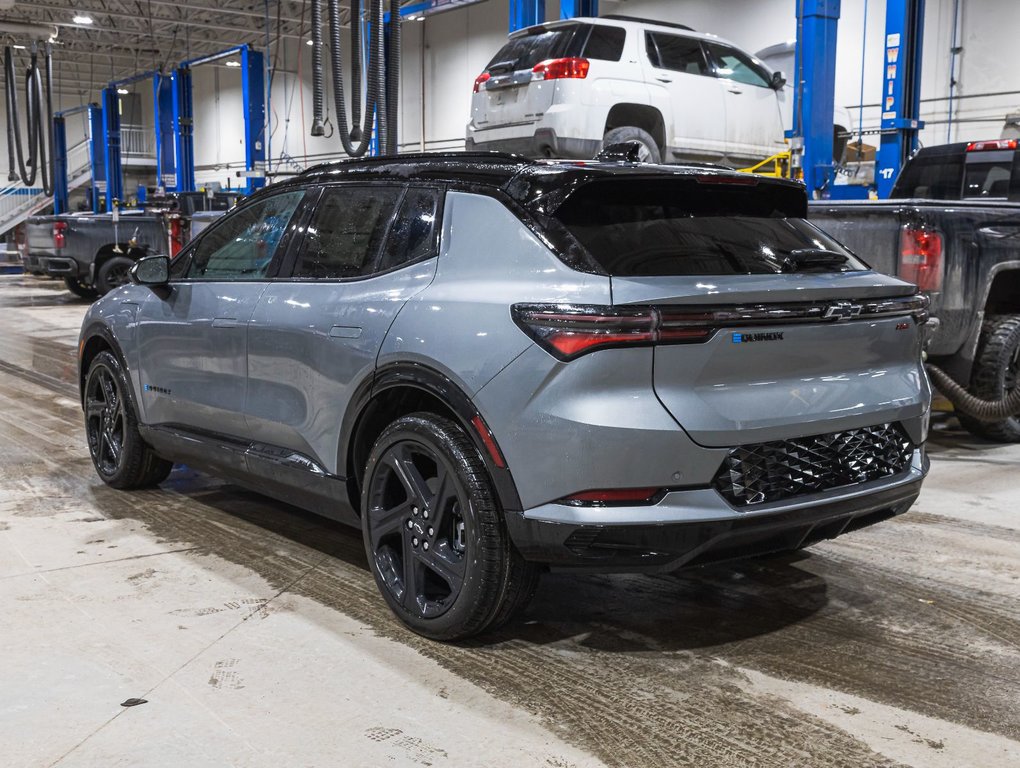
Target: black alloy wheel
121,457
434,533
114,273
105,423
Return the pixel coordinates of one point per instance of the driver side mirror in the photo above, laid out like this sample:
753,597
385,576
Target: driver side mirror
150,270
778,80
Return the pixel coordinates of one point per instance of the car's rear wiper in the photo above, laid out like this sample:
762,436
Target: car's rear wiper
502,66
816,257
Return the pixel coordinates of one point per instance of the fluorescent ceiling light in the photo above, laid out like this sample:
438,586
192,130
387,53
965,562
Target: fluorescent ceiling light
81,18
123,91
18,47
233,63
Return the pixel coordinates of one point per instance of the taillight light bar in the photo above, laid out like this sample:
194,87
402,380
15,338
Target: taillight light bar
921,257
569,331
992,144
557,69
481,80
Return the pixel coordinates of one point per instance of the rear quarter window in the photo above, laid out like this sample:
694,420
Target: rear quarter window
605,43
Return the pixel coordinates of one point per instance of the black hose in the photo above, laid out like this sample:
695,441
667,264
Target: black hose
27,177
8,67
336,62
317,125
393,78
355,20
975,407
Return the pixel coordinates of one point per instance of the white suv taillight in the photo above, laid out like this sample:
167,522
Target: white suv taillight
558,69
481,80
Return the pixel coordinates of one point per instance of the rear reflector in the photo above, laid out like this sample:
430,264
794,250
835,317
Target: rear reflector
921,257
488,441
985,146
612,497
557,69
481,80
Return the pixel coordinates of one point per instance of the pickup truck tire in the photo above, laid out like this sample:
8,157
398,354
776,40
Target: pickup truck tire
113,273
649,152
996,373
121,458
80,289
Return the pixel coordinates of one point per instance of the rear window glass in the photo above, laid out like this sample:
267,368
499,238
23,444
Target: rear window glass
527,51
681,227
987,179
934,177
605,43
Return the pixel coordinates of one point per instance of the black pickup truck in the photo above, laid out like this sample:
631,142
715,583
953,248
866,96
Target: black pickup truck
952,226
93,252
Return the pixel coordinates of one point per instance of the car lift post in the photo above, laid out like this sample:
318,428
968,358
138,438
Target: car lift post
111,136
163,100
526,13
901,90
814,93
571,9
253,95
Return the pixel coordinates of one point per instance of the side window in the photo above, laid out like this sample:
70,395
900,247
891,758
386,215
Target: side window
734,65
244,243
675,52
346,231
605,43
413,234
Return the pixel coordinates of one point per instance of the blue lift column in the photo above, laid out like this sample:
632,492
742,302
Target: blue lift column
526,13
111,135
183,129
571,9
253,92
59,164
163,99
814,93
901,90
98,156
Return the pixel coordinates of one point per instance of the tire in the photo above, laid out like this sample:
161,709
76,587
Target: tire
120,456
996,372
649,153
113,273
80,289
434,533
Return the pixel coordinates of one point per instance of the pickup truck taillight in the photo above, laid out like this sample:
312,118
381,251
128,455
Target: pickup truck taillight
59,227
921,257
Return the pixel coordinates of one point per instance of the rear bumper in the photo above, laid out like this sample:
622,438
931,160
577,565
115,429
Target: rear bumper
58,266
694,527
543,143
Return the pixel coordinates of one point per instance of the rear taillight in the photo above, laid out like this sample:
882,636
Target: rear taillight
481,80
985,146
568,332
921,258
557,69
59,240
609,497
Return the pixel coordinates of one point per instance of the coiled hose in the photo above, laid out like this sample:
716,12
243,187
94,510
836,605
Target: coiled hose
352,148
318,129
393,78
964,401
40,135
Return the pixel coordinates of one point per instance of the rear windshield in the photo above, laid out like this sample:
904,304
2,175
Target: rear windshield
594,41
988,179
682,227
933,177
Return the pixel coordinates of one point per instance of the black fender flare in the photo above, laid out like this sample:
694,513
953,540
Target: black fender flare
433,382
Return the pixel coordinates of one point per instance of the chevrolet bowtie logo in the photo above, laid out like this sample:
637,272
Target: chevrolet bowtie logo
842,310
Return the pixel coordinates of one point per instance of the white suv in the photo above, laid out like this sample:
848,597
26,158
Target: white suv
568,88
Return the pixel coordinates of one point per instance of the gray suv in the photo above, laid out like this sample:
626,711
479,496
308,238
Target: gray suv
496,366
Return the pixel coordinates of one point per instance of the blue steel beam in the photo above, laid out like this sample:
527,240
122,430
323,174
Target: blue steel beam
97,157
901,89
253,95
571,9
111,136
59,164
815,88
526,13
183,130
163,100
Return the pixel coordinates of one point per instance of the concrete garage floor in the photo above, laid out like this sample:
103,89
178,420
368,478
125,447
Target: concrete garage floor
255,633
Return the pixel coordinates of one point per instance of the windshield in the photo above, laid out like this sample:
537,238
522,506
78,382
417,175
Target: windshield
680,227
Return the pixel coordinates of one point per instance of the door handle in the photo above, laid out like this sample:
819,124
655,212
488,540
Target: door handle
225,322
735,90
663,79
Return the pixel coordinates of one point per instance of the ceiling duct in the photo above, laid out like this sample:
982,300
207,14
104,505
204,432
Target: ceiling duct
25,32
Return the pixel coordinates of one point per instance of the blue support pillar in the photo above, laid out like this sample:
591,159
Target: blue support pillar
163,100
571,9
901,89
111,136
526,13
815,89
253,94
97,157
59,164
183,125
